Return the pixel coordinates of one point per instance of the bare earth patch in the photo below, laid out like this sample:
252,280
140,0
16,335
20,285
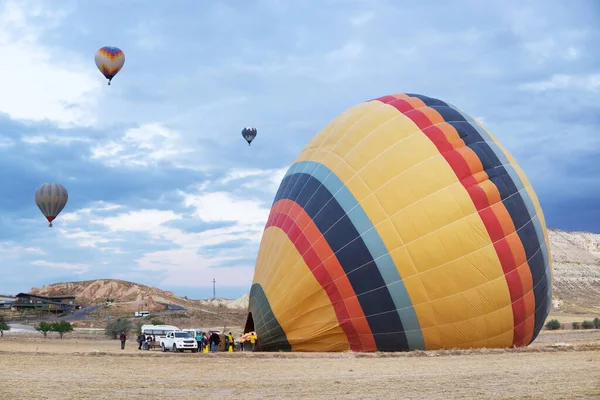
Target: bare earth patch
560,365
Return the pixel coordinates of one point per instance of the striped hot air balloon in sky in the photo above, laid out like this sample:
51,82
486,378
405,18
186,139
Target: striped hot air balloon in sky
51,198
404,224
109,61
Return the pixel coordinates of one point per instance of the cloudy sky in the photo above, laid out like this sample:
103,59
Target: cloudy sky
164,191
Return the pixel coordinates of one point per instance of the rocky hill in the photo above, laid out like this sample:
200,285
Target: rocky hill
576,267
135,295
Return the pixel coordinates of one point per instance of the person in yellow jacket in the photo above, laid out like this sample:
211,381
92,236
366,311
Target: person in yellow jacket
230,342
252,339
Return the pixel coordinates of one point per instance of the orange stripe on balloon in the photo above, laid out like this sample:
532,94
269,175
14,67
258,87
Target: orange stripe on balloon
331,264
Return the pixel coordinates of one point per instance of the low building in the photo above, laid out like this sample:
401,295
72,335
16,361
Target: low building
6,301
29,301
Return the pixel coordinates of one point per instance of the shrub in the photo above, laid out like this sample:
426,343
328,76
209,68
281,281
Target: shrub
44,328
3,326
575,325
114,328
156,321
597,323
587,325
61,327
553,324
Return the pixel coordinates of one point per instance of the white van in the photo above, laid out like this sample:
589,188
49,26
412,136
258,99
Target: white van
158,331
142,313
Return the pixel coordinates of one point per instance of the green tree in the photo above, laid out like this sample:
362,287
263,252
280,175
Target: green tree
44,327
597,323
553,324
3,326
575,325
61,327
114,328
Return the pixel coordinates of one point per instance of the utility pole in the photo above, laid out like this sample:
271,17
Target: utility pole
214,292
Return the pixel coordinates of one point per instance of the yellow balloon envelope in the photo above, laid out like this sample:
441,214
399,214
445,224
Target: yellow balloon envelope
404,224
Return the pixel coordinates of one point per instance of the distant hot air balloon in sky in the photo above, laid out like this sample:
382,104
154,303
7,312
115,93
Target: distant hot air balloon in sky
51,198
109,61
403,225
249,134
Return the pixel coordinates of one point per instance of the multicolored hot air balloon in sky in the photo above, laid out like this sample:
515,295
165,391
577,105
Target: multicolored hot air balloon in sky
51,198
404,224
109,61
249,134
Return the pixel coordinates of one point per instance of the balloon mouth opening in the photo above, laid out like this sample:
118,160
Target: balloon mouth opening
249,327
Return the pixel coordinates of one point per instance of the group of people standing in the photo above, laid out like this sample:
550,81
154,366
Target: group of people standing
206,342
211,341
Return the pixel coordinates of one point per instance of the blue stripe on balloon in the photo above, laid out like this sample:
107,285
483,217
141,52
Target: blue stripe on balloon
374,243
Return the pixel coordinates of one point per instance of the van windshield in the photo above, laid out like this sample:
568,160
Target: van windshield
182,335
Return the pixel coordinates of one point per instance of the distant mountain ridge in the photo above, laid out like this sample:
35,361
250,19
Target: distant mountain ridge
138,296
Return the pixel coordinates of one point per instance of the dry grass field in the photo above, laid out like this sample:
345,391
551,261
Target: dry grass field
559,365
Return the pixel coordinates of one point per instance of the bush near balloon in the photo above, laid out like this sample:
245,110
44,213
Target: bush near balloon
555,324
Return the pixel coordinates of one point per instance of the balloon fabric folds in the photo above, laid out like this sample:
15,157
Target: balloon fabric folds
51,198
109,61
249,134
404,224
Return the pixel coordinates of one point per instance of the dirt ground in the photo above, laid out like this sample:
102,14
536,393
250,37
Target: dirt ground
559,365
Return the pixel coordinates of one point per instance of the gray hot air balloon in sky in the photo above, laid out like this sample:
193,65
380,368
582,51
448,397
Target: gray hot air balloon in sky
51,198
249,134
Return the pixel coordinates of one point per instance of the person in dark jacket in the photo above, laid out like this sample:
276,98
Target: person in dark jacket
214,342
141,339
123,338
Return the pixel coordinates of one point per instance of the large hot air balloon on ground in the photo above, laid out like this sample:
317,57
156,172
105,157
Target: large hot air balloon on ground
404,224
51,198
249,134
109,61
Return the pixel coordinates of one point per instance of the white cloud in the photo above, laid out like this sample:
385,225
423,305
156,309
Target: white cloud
349,51
362,19
6,142
74,267
223,253
146,145
138,221
561,81
12,249
266,179
96,207
146,36
331,66
42,83
221,207
54,139
89,238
